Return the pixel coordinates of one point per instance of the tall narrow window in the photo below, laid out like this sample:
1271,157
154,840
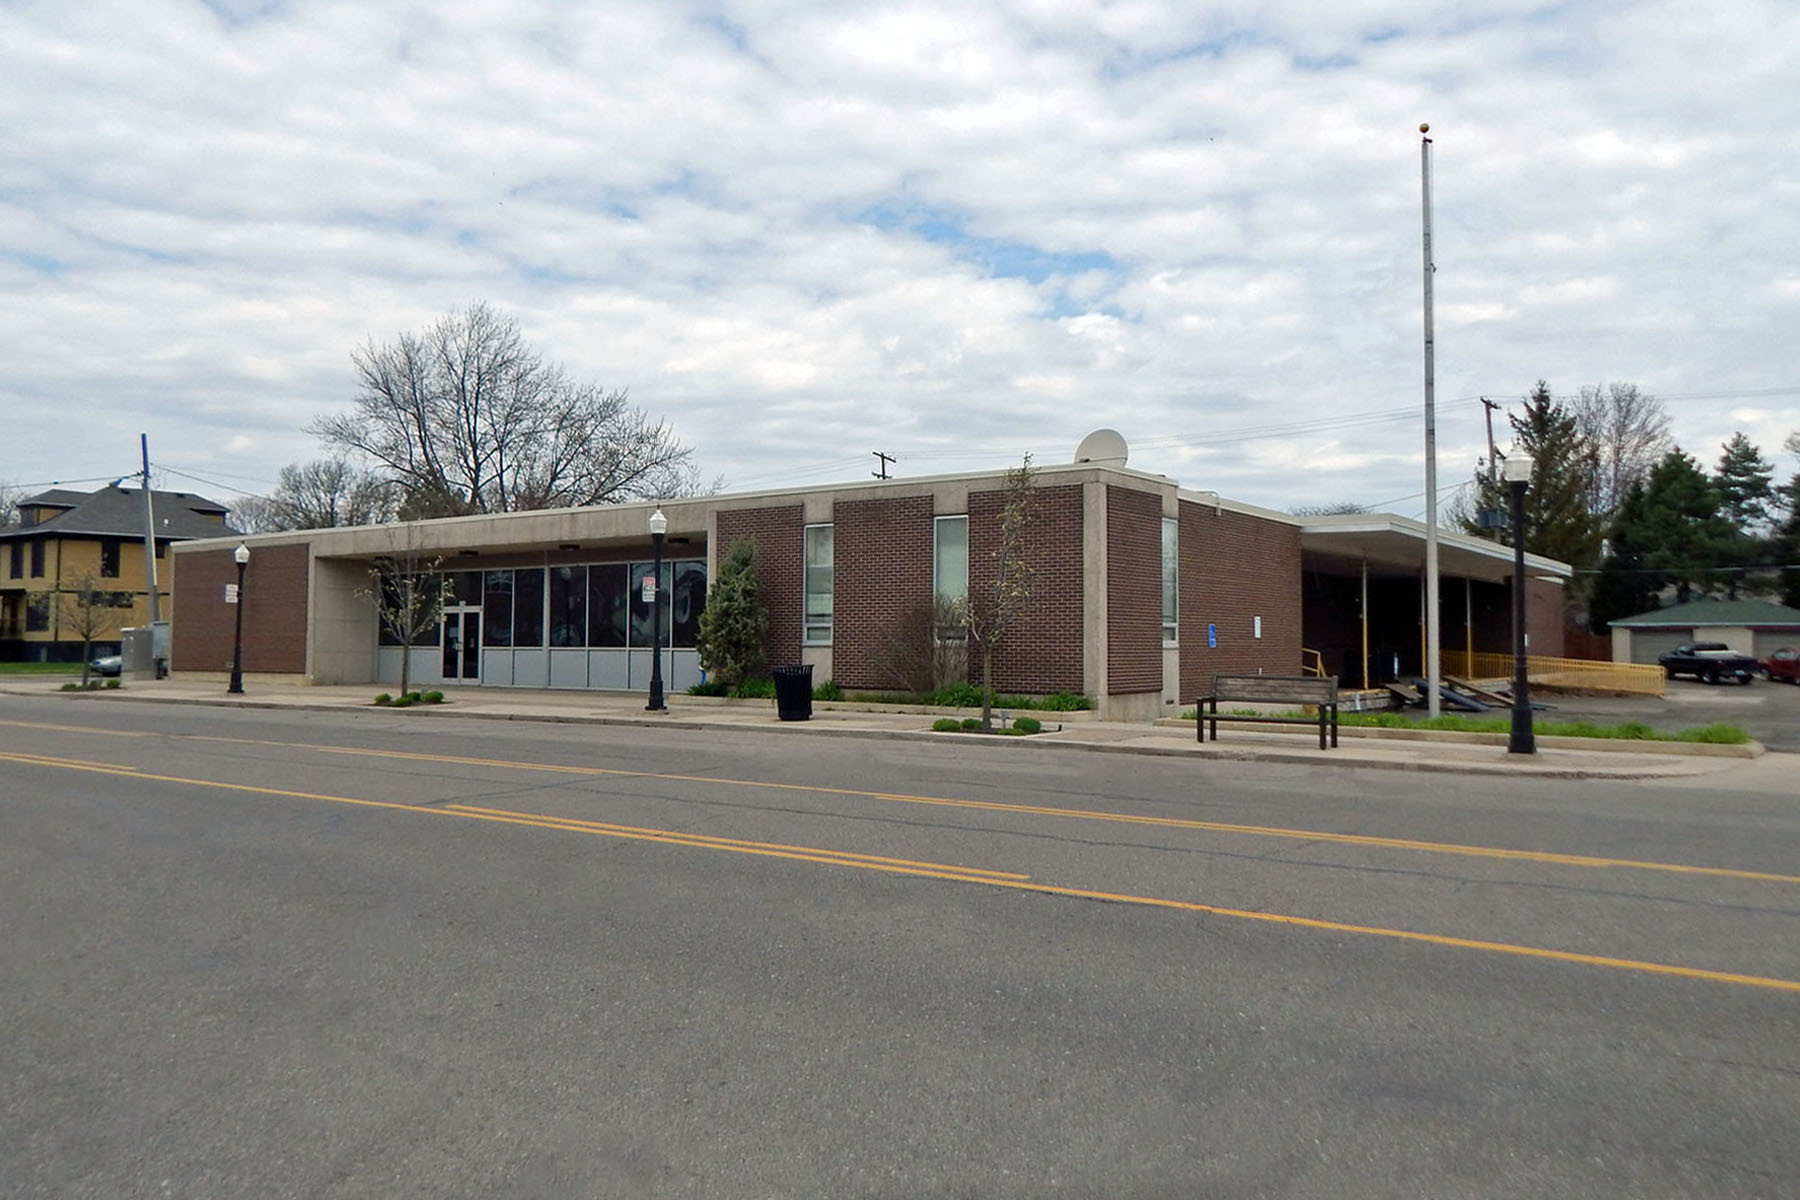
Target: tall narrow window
949,571
17,554
607,605
1171,545
109,558
818,584
37,558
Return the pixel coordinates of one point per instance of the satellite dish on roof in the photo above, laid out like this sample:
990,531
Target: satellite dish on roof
1103,447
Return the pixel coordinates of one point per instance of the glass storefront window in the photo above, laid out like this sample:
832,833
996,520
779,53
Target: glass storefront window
606,605
528,607
568,606
688,601
497,609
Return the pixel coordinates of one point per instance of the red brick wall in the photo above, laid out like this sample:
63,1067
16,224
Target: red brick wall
274,600
882,550
1544,617
1133,591
780,562
1234,568
1042,652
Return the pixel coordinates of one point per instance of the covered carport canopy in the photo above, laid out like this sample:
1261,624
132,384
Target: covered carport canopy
1393,545
1365,595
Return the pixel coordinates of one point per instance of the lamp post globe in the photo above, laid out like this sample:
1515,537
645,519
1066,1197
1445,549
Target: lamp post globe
659,527
1522,739
241,556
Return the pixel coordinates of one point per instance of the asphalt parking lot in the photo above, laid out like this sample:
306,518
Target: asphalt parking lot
1769,711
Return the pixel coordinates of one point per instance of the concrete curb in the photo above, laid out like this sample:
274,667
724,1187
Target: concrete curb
1074,737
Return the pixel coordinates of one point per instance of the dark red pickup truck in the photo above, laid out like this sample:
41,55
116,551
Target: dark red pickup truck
1709,662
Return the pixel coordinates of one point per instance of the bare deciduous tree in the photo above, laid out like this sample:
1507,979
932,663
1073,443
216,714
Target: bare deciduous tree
9,504
989,611
1629,432
407,590
468,418
87,608
322,494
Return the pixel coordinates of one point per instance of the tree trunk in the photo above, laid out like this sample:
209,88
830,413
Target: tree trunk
987,687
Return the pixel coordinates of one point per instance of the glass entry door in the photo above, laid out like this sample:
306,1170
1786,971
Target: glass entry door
462,645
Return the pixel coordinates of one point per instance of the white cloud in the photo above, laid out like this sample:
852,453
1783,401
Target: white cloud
804,231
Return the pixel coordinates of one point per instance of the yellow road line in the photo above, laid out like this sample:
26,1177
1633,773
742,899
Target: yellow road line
78,729
580,825
950,873
1548,857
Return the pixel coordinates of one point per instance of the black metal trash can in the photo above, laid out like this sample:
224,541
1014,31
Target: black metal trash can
793,692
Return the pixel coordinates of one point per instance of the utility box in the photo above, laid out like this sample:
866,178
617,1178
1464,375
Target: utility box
159,647
137,653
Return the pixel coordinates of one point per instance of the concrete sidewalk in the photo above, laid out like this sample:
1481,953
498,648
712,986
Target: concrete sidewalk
1407,750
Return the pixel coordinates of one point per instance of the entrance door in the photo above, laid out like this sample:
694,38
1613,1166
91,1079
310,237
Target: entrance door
462,645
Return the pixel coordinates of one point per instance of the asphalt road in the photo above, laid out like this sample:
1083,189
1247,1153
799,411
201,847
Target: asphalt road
323,955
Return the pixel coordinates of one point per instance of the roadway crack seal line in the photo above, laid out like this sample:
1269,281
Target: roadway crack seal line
950,873
1548,857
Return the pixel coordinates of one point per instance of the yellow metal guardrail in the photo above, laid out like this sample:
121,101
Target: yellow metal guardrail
1312,663
1636,679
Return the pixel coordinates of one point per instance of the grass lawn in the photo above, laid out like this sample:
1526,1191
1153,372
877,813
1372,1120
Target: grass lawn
39,668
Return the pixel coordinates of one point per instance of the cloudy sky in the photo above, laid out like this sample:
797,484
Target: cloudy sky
803,231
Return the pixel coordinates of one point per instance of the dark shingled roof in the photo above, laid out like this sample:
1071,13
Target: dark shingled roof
119,512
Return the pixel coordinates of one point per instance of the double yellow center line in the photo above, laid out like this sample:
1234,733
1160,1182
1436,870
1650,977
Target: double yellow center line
964,874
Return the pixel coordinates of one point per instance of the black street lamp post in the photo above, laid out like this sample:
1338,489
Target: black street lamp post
236,688
659,525
1523,740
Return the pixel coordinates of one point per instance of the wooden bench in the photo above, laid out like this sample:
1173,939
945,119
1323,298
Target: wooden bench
1270,689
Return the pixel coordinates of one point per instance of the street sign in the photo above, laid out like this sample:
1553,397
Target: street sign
231,593
649,589
1212,637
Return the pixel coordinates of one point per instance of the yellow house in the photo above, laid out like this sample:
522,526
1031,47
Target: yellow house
66,541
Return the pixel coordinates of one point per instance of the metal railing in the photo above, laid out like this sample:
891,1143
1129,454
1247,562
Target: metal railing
1312,662
1637,679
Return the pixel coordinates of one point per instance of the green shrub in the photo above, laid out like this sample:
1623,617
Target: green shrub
956,695
828,690
415,697
709,687
384,698
948,724
71,687
971,722
1028,725
1063,702
756,689
112,683
405,701
433,697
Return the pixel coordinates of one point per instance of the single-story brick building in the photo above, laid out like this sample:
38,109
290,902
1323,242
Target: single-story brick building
1143,589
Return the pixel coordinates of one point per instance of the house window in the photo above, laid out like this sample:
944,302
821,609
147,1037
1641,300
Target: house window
18,560
37,614
1170,582
109,558
818,584
37,558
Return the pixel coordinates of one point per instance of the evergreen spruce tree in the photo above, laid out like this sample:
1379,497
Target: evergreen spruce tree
1559,522
733,624
1680,528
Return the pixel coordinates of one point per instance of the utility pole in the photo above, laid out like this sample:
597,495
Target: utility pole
1493,465
149,533
1433,665
881,473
